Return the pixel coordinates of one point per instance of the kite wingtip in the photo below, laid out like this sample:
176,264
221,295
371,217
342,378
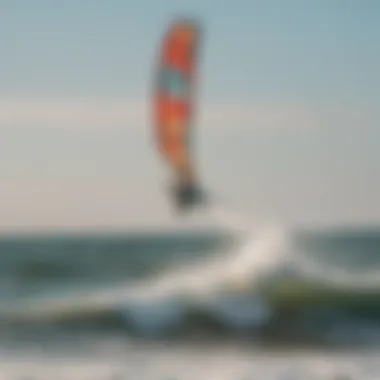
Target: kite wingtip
192,21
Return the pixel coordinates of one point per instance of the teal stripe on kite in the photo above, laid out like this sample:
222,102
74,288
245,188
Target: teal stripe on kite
175,83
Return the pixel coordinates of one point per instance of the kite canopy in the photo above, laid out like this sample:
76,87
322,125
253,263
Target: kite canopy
174,101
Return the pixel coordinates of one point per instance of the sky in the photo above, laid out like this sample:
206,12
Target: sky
287,124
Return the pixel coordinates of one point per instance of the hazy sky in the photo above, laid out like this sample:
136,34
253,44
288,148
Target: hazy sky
288,118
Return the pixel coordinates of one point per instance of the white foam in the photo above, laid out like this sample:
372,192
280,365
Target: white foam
338,277
180,362
259,252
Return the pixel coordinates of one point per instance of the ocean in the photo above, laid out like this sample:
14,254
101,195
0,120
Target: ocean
229,302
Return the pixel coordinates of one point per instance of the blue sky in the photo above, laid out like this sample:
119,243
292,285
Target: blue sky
288,115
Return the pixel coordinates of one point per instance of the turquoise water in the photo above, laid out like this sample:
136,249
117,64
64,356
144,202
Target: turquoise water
217,303
216,281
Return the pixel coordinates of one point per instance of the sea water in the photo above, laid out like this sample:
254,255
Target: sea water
222,303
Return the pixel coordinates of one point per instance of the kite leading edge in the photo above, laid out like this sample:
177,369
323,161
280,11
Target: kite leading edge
174,109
